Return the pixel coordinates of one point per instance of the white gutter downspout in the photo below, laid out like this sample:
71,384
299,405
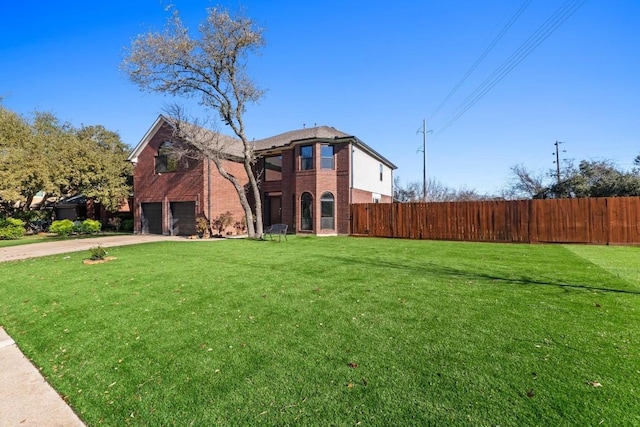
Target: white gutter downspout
351,173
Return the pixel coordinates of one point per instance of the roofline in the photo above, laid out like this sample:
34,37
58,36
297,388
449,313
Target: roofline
133,157
294,142
338,139
162,119
374,153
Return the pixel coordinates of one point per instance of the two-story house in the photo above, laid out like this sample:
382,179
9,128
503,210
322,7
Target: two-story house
308,178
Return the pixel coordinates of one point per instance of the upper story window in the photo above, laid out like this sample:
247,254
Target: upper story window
166,160
273,168
306,157
381,171
326,157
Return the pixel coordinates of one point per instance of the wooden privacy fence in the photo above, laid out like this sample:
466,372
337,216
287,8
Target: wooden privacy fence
607,220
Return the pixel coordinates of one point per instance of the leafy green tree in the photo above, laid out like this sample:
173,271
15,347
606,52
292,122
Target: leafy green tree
24,169
603,179
55,158
596,178
106,175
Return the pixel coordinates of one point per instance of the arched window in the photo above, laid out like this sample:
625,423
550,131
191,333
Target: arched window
327,208
166,160
306,211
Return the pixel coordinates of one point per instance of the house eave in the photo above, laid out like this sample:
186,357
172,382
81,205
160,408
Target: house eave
373,153
275,150
133,157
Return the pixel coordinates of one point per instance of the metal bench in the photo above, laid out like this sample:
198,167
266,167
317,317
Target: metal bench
279,229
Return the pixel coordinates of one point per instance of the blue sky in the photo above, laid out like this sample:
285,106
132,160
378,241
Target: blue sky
373,69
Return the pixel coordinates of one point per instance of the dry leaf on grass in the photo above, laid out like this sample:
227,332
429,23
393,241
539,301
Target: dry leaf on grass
594,384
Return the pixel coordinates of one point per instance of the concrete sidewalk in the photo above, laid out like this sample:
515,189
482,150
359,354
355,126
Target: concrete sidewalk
26,399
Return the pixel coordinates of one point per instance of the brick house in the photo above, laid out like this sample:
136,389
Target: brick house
308,178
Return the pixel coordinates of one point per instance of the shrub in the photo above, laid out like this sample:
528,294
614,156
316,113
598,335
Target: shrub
97,252
11,229
241,225
223,221
127,225
62,227
35,221
202,226
115,223
89,226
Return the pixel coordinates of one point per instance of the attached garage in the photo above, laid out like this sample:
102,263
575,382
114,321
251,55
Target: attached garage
151,218
183,218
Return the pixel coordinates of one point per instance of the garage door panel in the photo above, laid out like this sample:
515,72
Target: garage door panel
151,218
183,218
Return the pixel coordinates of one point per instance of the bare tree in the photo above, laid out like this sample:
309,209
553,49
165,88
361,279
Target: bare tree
193,140
525,183
436,192
211,68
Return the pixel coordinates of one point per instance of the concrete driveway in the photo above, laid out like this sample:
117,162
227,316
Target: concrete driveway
33,250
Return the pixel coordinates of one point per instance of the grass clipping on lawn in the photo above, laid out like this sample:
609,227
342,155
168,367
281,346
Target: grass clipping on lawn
335,331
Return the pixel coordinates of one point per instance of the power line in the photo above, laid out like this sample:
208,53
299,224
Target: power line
540,35
488,49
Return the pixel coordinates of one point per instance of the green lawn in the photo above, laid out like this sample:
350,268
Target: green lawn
33,238
335,331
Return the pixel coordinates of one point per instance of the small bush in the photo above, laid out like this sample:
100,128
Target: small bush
97,252
241,225
127,225
35,221
222,222
115,223
11,229
89,226
62,227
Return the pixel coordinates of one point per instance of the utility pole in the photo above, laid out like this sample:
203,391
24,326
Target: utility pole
557,162
424,158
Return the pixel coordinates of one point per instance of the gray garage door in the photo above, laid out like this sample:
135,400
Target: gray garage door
151,218
183,218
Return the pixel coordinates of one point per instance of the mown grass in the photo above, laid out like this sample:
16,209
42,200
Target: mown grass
335,331
33,238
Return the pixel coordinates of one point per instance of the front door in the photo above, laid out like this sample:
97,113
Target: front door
275,210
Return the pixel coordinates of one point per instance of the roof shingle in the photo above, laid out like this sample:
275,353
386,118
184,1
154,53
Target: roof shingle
320,132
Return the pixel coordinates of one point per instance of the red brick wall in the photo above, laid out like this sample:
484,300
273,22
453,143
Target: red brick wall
201,182
343,181
317,181
360,196
189,183
223,195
